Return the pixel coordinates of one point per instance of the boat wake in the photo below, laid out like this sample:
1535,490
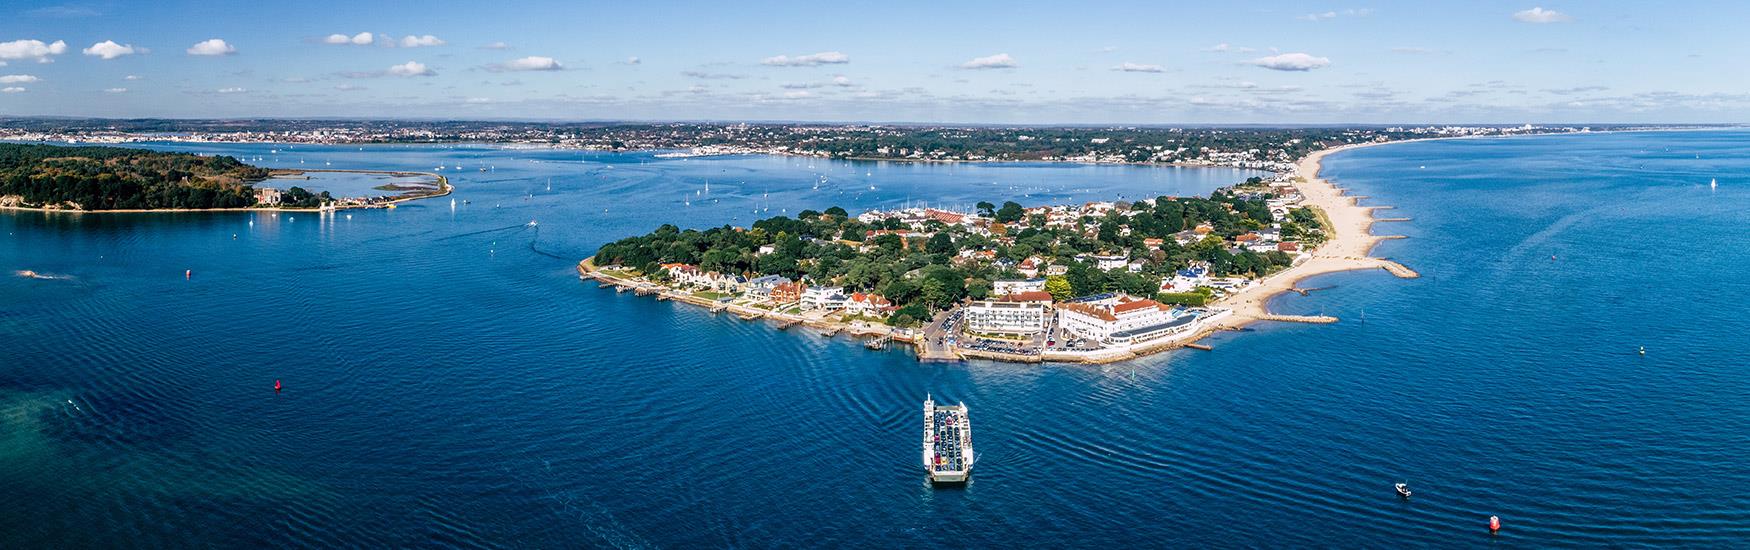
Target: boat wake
28,274
485,231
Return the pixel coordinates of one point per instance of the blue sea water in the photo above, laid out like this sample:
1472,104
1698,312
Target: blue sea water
450,382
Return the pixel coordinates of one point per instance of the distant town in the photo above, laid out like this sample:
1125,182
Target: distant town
1242,147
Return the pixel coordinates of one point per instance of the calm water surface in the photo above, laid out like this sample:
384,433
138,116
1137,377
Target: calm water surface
449,381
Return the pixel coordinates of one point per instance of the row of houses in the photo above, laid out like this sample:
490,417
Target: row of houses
780,290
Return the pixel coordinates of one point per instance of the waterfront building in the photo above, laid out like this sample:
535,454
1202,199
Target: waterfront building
1000,288
760,288
1123,320
267,196
829,298
872,305
1007,317
787,293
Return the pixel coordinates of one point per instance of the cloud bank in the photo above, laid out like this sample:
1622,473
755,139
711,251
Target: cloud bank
1299,62
810,60
998,61
1540,15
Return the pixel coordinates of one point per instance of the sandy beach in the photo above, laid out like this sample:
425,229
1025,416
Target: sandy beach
1351,240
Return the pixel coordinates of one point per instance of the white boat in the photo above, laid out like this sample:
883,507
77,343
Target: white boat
1403,490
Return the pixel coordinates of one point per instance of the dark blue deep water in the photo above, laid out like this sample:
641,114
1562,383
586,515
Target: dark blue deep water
450,382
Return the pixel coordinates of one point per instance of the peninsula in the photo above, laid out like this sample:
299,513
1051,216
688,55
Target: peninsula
1090,283
113,179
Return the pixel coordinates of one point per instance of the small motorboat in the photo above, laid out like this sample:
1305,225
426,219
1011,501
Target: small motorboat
1403,490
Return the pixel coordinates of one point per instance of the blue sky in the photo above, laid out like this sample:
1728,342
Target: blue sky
977,62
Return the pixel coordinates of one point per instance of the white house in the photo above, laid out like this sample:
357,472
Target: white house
1004,288
830,298
1106,262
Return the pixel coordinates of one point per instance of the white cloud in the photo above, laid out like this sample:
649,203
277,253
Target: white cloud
1318,16
108,49
842,81
1129,67
31,49
360,39
496,46
998,61
212,46
18,79
530,63
232,90
810,60
479,100
115,90
798,95
12,90
349,87
1540,15
633,60
1291,62
411,68
133,77
413,41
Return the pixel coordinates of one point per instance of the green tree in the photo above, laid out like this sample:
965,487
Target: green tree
1011,212
1059,288
941,243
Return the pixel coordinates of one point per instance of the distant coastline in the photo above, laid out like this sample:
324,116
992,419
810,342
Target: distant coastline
443,188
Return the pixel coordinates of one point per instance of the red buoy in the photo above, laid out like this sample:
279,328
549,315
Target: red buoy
276,386
1494,523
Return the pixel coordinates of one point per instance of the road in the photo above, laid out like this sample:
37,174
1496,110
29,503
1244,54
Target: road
935,346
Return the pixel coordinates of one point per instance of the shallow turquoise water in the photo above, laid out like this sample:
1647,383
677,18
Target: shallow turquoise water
451,383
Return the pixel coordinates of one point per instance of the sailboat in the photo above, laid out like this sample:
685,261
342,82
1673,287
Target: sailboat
1713,184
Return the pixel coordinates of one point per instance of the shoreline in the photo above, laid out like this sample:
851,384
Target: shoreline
1348,249
444,188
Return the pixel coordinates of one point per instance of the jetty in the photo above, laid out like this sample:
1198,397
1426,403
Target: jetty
948,453
1315,319
880,342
